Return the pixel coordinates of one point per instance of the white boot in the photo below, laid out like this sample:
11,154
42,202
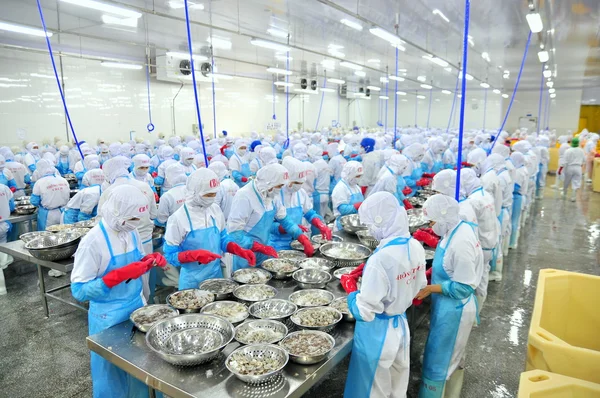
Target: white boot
56,273
497,274
453,386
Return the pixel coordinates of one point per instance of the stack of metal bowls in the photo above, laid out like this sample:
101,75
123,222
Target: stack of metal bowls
367,239
330,252
55,247
351,223
24,210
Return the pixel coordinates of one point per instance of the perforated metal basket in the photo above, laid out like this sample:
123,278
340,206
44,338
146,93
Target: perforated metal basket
300,297
317,263
244,292
190,339
262,352
337,315
319,239
29,236
141,316
311,278
274,309
274,266
307,359
273,331
242,275
351,223
221,288
367,239
236,317
328,251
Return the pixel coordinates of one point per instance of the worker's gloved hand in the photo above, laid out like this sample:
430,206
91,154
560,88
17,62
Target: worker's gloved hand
425,237
407,204
354,155
244,179
407,191
201,256
349,283
154,175
282,230
363,190
247,255
156,198
358,271
222,149
264,249
159,259
466,164
13,189
357,205
303,228
428,275
309,250
325,154
560,170
130,271
320,225
428,175
423,182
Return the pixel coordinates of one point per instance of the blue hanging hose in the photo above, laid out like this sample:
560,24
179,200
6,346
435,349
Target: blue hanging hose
461,126
429,110
547,121
484,107
274,115
213,94
62,95
396,103
514,92
386,106
539,118
150,125
189,35
321,106
453,102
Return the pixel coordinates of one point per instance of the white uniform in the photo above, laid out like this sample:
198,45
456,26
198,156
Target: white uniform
311,176
169,203
5,197
322,181
93,177
19,172
227,191
491,184
573,161
55,193
372,163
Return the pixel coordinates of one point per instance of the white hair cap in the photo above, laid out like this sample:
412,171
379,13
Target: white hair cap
444,182
123,204
271,176
115,167
384,216
397,163
469,182
268,155
175,173
219,168
351,171
200,183
295,168
443,210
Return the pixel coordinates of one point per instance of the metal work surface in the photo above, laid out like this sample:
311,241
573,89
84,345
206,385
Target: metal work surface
17,250
16,218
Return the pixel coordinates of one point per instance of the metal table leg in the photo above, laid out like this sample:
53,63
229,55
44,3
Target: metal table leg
151,392
43,289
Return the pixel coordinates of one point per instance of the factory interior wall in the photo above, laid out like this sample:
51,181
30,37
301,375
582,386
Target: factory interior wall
589,118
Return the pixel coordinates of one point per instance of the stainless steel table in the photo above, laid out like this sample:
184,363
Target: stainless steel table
17,250
16,218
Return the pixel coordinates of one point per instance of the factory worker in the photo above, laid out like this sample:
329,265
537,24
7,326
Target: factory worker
159,180
521,179
504,151
50,193
141,168
457,271
62,163
320,194
82,206
104,154
298,206
196,234
347,197
7,206
300,152
391,278
573,161
199,162
6,176
414,172
590,152
255,146
32,156
107,269
114,149
264,156
140,149
239,163
450,154
390,179
227,188
127,150
336,164
488,176
94,176
187,160
19,171
80,167
172,200
256,207
564,144
371,161
433,161
351,150
227,149
543,143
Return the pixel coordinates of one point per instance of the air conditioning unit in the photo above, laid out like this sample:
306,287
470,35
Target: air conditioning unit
343,90
178,70
304,83
313,85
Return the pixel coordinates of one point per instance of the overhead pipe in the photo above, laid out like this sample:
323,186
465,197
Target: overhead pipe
429,110
461,127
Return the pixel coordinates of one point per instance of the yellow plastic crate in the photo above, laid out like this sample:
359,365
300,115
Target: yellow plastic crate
540,384
564,336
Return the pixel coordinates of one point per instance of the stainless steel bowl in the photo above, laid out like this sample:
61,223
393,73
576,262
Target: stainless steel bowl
221,288
24,210
292,255
29,236
272,329
81,231
346,314
273,309
315,310
308,359
417,201
317,263
257,351
329,250
206,296
273,265
342,271
296,245
416,220
87,223
351,223
367,239
158,311
259,276
319,239
54,247
54,253
60,227
241,293
311,278
219,307
299,297
205,335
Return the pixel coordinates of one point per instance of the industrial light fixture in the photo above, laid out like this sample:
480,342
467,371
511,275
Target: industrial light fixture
421,97
176,4
335,53
359,94
484,85
269,44
384,79
504,95
374,88
351,24
541,46
543,56
448,69
278,33
547,73
486,56
120,65
446,92
440,14
400,93
328,90
336,81
360,73
219,76
550,84
535,22
350,65
283,84
402,70
385,35
426,86
280,71
23,29
496,91
96,5
552,90
552,95
129,22
374,61
396,78
335,46
328,64
422,78
399,46
182,55
42,76
281,57
470,40
384,97
436,60
468,77
217,42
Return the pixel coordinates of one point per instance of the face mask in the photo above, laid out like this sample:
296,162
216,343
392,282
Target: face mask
274,192
129,225
187,162
35,150
295,187
377,233
242,152
440,229
203,201
140,172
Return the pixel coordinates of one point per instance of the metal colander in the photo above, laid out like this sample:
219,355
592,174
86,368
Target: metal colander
274,309
233,311
24,209
251,276
311,278
54,241
351,223
359,253
308,297
367,239
280,268
259,355
29,236
319,239
262,329
292,255
254,293
315,314
221,288
190,339
316,263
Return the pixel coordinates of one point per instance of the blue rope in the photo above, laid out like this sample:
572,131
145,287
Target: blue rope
461,126
548,111
453,102
213,95
189,36
150,125
539,118
514,92
62,95
396,103
429,111
386,106
484,107
321,106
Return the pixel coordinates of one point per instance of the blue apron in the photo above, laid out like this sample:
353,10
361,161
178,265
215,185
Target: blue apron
259,233
437,166
244,170
71,216
369,338
79,176
63,166
354,198
192,274
400,185
516,215
411,181
228,153
282,241
446,313
259,164
119,303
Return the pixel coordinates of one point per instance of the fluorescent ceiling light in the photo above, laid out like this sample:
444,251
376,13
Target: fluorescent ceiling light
421,97
278,33
486,56
484,85
336,81
215,89
384,97
283,84
400,93
385,35
550,84
182,55
446,92
592,99
448,69
129,22
552,90
96,5
422,78
351,24
553,95
350,65
402,70
470,40
469,77
384,79
280,71
23,29
175,4
6,85
426,86
399,46
541,46
547,73
336,53
459,95
543,56
535,22
219,76
360,73
119,65
374,88
335,46
374,61
328,90
269,44
553,49
504,95
396,78
216,42
282,57
496,91
43,76
436,60
328,64
404,100
441,15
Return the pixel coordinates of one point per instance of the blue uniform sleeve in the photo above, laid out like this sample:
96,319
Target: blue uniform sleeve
517,188
11,204
94,290
82,216
411,182
237,176
159,180
172,254
242,238
27,179
456,290
275,228
31,167
290,227
311,215
35,200
12,183
352,307
225,239
79,175
346,209
159,224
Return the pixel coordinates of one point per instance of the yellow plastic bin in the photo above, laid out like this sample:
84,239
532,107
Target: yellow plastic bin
564,336
540,384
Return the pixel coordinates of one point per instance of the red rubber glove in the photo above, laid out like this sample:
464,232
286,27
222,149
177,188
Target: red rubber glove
560,170
407,191
244,179
407,204
282,230
303,228
325,154
223,149
430,231
428,239
309,250
466,164
130,271
428,175
156,198
159,259
201,256
247,255
363,190
13,189
154,175
358,271
357,205
353,155
349,283
209,158
320,225
264,249
423,182
428,275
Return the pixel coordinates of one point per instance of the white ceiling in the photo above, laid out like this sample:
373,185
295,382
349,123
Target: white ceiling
497,27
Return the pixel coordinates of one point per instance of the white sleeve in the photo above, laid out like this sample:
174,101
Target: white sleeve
307,202
239,215
339,196
174,233
86,266
280,212
89,200
164,208
465,260
373,289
